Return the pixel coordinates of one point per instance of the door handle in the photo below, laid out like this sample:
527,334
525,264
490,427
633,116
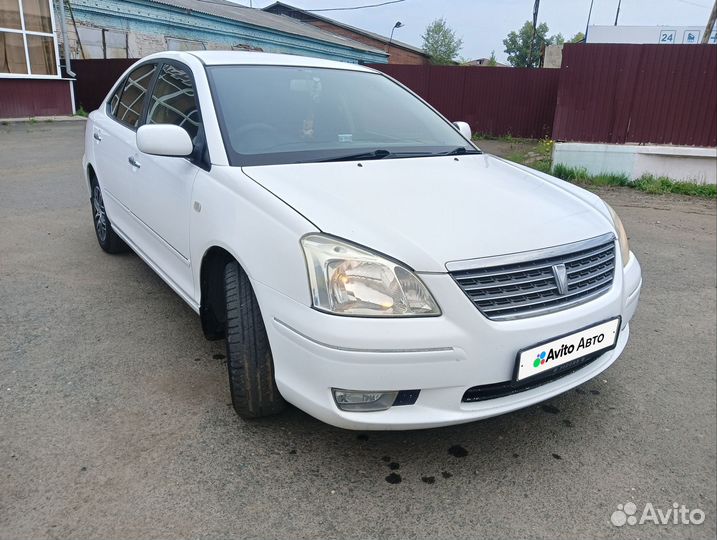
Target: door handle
96,136
134,162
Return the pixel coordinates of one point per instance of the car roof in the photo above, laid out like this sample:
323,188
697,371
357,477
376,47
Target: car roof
227,58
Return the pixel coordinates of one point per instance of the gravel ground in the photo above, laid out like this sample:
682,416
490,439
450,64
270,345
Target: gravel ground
115,419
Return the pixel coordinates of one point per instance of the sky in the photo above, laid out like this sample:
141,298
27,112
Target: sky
483,24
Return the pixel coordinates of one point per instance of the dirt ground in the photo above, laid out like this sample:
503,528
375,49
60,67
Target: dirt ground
505,148
115,419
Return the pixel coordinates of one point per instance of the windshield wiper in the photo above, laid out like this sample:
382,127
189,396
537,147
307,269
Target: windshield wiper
460,151
382,153
375,154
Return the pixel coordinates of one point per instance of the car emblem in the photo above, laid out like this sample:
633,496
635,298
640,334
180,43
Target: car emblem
561,278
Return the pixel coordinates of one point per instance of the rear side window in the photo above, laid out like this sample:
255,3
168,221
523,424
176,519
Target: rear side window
130,105
173,100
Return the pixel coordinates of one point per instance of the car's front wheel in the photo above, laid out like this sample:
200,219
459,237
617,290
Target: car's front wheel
106,236
251,365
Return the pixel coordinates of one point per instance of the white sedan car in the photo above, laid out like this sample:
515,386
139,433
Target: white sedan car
362,258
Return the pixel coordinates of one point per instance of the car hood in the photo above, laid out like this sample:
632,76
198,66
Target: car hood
427,212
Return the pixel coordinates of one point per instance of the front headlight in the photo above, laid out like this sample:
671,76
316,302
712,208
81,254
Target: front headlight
621,235
348,280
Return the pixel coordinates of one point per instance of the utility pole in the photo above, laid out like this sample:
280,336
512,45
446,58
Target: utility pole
617,13
536,6
587,25
710,24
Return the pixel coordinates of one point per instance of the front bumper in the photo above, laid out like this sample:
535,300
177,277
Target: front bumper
442,356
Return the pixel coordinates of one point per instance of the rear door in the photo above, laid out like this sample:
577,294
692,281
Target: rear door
114,134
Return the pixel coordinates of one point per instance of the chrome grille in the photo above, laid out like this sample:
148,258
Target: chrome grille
529,284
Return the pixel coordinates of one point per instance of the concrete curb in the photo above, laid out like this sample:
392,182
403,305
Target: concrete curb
44,119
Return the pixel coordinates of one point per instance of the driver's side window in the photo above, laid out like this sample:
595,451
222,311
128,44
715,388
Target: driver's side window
173,100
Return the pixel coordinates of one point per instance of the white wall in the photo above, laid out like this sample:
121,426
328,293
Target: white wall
666,35
682,163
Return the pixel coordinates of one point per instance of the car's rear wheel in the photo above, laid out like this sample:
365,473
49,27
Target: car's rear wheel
106,236
249,360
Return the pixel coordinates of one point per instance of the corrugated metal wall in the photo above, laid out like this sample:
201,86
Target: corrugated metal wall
95,78
20,98
493,100
661,94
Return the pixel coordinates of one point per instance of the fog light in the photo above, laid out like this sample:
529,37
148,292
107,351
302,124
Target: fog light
363,401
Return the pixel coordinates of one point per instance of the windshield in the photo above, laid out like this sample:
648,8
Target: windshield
282,114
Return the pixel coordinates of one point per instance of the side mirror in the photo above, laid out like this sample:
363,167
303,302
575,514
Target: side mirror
464,129
164,140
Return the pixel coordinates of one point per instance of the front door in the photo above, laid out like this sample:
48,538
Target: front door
162,198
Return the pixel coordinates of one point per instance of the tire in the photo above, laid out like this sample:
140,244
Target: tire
106,236
249,360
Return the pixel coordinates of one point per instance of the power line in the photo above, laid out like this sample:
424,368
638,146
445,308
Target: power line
356,7
693,3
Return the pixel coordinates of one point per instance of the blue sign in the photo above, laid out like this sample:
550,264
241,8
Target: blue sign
691,36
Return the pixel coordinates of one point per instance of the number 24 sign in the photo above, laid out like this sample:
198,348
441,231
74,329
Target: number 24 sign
667,36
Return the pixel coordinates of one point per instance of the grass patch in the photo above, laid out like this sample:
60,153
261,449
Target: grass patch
539,156
653,184
647,183
81,112
488,137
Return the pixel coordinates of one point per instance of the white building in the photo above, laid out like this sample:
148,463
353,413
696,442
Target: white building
665,35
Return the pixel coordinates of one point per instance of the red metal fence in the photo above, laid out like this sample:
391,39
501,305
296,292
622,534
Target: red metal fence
95,78
35,97
662,94
493,100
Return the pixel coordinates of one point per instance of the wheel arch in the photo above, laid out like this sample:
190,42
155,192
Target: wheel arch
91,174
212,301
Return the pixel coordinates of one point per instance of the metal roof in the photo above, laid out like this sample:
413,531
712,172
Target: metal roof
366,33
263,19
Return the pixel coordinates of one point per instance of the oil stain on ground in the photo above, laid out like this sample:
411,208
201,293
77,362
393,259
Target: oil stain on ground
218,357
457,451
393,478
549,409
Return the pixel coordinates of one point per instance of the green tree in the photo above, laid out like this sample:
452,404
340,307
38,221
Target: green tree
577,38
492,61
440,42
517,44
